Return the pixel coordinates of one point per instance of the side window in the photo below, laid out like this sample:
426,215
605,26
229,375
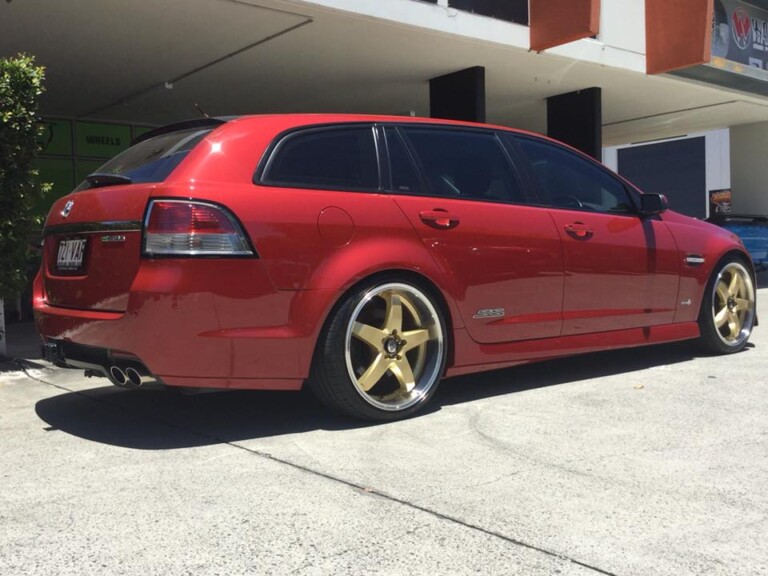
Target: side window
464,164
327,158
404,177
569,181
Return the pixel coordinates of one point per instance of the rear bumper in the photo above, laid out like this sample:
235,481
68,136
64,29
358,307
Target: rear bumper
188,325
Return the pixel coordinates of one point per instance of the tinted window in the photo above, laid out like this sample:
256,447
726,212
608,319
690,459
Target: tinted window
328,158
568,181
404,176
152,160
465,164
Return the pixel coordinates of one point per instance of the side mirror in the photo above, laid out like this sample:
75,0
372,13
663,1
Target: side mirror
651,204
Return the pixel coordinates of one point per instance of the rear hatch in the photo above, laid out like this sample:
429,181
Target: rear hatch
92,237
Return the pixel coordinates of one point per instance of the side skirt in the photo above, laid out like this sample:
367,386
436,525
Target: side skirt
473,357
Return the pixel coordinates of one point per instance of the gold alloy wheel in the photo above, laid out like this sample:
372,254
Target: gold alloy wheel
394,346
733,304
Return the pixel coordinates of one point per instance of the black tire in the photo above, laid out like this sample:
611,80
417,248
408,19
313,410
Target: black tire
364,365
727,313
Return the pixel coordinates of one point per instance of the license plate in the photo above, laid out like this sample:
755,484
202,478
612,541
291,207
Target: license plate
70,256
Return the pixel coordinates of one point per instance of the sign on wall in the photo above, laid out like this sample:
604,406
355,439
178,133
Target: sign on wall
740,33
71,150
720,201
101,140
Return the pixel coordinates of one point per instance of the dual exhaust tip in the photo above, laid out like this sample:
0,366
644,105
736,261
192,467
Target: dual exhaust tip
128,377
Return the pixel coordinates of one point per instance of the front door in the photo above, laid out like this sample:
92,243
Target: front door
621,269
466,202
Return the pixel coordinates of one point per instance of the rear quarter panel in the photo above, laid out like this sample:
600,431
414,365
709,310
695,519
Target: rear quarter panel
319,242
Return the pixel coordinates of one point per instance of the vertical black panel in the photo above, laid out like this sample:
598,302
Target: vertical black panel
677,169
511,10
576,118
459,96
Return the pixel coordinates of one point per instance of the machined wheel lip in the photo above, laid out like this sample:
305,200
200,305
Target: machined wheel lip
746,291
430,360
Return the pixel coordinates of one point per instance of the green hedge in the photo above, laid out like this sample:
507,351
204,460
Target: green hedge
21,83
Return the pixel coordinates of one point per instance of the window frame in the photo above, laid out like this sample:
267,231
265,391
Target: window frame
261,175
389,186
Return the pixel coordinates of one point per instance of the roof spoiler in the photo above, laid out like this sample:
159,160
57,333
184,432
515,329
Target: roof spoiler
186,124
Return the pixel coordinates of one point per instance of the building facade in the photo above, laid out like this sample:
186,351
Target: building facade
672,94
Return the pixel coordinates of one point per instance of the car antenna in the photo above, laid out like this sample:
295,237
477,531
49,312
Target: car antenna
200,109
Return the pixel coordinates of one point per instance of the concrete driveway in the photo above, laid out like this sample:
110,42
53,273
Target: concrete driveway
648,461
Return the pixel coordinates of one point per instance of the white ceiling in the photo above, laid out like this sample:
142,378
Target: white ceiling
150,61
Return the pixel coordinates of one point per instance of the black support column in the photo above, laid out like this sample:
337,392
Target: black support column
459,96
576,118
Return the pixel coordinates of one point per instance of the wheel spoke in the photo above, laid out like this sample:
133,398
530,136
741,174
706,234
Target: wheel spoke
722,293
734,325
402,371
414,339
393,319
721,317
735,285
373,374
742,304
368,334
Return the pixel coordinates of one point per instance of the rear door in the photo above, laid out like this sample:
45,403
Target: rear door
621,269
466,201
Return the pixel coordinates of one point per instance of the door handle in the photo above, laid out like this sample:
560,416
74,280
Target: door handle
579,230
439,218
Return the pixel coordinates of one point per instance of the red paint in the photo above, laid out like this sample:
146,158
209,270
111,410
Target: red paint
569,281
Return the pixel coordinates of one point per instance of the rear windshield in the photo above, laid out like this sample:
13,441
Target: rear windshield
151,160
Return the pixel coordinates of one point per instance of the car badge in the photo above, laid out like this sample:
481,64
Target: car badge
489,313
67,208
113,238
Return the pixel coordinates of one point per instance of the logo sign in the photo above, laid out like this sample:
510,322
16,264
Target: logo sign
742,28
740,32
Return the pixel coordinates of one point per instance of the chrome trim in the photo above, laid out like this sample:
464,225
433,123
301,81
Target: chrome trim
695,259
89,227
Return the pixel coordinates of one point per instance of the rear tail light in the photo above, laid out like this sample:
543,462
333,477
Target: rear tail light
189,228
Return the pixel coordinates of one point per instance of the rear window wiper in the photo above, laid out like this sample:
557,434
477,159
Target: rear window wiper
99,179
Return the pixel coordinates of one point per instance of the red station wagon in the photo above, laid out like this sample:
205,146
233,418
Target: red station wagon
369,257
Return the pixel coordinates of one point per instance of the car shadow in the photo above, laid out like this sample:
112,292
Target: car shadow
163,419
563,371
16,364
